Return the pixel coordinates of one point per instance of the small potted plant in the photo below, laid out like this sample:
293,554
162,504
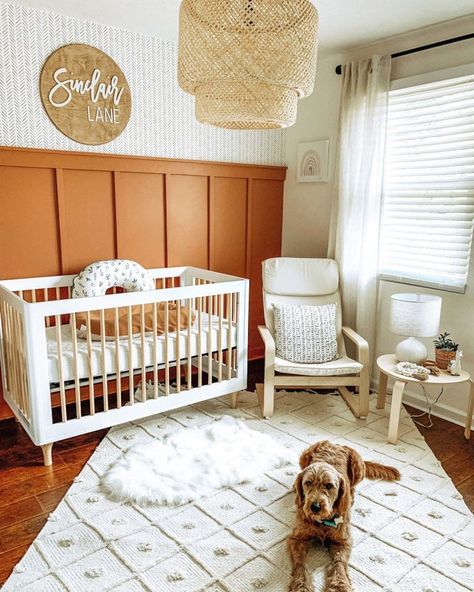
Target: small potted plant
445,350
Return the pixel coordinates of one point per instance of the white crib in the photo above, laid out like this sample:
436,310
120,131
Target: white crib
60,384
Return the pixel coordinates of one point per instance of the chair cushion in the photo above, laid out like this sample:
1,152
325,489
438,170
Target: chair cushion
293,276
341,366
305,334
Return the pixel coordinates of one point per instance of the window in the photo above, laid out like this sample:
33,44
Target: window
428,194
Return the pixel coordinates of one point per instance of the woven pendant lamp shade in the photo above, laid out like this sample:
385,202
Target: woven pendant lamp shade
247,61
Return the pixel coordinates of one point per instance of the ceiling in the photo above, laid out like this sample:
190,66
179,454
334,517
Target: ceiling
343,23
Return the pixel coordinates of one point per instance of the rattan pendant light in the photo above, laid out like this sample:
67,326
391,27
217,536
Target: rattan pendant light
247,61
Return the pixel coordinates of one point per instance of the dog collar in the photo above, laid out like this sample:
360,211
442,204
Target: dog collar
333,522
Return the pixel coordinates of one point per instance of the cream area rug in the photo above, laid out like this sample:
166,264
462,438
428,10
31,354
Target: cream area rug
412,536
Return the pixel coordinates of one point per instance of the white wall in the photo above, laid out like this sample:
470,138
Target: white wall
307,206
162,122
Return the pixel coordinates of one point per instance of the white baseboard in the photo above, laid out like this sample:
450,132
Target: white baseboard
418,401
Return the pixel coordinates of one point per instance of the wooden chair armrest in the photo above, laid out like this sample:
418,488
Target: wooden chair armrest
268,341
360,342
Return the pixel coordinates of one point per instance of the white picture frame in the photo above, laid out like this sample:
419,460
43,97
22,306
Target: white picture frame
312,161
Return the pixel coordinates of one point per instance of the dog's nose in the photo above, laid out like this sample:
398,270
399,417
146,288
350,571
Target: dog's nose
315,507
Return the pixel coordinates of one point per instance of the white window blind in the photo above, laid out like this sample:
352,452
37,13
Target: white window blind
428,201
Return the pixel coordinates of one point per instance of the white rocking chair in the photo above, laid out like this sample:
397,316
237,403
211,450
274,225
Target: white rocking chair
310,281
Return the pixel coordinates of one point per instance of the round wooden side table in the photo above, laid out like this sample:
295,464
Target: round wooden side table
387,366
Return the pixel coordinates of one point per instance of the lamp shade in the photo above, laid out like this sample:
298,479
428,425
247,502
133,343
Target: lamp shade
415,315
247,61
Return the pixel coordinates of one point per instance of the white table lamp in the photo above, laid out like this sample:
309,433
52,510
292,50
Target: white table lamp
414,315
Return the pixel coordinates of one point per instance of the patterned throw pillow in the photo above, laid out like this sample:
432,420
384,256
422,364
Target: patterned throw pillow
305,333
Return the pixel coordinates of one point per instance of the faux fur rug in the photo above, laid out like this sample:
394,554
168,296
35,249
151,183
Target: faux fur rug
194,462
412,536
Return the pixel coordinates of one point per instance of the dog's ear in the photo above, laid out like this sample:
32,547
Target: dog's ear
299,490
355,466
343,500
306,457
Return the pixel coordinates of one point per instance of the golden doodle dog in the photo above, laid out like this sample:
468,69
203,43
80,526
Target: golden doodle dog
324,496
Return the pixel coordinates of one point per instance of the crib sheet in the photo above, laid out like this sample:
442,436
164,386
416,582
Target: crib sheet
123,350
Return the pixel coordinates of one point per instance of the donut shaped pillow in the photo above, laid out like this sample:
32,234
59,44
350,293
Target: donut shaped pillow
98,277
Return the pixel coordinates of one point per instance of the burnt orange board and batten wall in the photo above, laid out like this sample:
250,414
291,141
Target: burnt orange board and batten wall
59,211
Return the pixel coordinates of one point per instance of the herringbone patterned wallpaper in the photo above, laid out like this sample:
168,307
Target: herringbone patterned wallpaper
162,121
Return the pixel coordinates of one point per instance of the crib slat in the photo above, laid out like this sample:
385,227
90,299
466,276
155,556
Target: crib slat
199,308
24,376
234,320
167,363
178,353
209,340
229,336
89,359
105,385
77,389
118,378
142,335
62,393
14,366
130,357
45,297
219,339
17,394
189,378
155,353
6,345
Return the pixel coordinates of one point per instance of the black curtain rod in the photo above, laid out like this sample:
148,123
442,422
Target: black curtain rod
423,48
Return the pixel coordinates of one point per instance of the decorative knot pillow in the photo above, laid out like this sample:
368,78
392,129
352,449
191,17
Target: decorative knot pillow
98,277
305,334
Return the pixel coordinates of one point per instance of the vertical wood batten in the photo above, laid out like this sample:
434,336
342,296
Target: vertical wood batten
105,384
130,357
62,393
77,389
90,360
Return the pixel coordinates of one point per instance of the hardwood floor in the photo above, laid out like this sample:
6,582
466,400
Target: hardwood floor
29,491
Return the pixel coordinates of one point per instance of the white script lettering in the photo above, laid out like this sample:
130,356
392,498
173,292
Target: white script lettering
91,86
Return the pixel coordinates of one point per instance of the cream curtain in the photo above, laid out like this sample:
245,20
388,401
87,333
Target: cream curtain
354,232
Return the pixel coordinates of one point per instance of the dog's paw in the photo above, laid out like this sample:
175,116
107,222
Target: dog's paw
339,586
300,585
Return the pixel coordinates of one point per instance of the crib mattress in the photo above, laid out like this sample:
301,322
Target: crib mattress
68,365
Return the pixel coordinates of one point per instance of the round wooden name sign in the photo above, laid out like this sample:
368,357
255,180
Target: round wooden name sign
85,94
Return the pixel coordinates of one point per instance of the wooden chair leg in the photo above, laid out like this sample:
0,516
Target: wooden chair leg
382,390
364,392
470,409
47,450
266,397
235,400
